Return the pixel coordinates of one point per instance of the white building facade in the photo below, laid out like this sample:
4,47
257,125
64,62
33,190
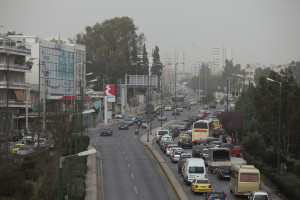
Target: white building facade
219,55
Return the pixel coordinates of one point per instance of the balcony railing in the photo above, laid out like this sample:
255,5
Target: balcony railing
13,85
3,66
13,49
12,102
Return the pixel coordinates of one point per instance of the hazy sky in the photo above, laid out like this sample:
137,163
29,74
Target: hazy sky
265,31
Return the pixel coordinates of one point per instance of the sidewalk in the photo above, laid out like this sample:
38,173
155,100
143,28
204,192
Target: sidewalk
91,178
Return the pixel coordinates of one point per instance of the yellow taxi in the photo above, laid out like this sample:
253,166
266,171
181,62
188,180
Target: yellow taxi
189,132
15,148
159,106
168,107
201,185
181,137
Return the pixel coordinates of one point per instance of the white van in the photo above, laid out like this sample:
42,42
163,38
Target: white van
162,132
194,168
166,138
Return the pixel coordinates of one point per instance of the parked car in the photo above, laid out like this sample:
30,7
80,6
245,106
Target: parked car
106,131
25,149
214,195
224,172
123,126
258,195
201,185
237,151
119,115
15,148
162,117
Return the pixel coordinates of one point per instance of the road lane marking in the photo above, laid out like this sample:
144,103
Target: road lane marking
128,165
125,157
132,176
135,189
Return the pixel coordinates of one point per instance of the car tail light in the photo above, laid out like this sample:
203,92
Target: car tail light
187,176
209,186
174,156
221,171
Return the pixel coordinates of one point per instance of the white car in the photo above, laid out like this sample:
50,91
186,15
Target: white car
119,115
170,148
258,195
175,154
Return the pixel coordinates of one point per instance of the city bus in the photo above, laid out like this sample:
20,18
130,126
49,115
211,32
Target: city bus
244,179
200,131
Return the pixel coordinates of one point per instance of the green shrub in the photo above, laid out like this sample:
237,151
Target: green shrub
296,170
27,165
79,185
290,165
25,191
31,174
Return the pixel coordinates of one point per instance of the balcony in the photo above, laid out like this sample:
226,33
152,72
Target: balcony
14,67
15,50
13,103
13,85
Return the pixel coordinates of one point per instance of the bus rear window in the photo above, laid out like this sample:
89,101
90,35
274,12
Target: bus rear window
200,125
246,177
162,132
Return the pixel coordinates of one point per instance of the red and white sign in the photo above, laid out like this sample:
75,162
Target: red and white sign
110,92
228,138
148,127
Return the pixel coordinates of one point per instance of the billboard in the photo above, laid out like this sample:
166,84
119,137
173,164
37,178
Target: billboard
110,92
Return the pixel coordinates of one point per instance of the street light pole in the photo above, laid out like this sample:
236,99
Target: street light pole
175,90
61,160
278,145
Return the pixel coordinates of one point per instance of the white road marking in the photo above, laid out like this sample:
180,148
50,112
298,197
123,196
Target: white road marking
123,152
132,176
135,189
128,165
125,157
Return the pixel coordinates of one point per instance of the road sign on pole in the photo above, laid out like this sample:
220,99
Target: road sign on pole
148,127
228,138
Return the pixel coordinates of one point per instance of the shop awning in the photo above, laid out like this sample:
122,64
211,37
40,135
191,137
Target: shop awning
69,98
20,95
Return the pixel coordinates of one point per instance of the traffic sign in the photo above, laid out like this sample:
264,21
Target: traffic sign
228,138
148,127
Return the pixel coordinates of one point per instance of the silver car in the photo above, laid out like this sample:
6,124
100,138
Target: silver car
175,155
170,148
182,126
162,117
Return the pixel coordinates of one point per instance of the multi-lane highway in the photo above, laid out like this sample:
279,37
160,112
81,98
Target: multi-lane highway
129,172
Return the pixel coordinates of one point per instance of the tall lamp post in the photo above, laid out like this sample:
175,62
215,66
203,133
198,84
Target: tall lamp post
61,160
278,145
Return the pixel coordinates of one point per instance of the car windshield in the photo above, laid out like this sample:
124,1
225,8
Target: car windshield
202,181
261,197
128,120
226,167
241,148
217,195
196,170
105,129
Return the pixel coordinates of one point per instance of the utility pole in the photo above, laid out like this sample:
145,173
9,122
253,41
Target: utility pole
44,98
175,91
7,88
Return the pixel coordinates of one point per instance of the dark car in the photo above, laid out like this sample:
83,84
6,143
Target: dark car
197,150
186,143
224,172
159,139
174,131
106,131
48,144
123,126
215,196
213,105
200,116
180,163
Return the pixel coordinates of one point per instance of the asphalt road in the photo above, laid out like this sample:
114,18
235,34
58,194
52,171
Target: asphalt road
128,171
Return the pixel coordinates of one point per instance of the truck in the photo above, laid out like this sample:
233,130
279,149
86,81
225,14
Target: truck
219,96
218,157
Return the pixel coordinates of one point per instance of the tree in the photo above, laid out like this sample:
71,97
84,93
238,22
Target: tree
112,47
254,145
145,62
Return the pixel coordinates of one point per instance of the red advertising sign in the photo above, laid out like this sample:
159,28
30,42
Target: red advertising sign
110,92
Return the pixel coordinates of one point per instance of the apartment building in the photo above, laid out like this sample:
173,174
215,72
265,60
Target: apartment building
219,55
14,90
